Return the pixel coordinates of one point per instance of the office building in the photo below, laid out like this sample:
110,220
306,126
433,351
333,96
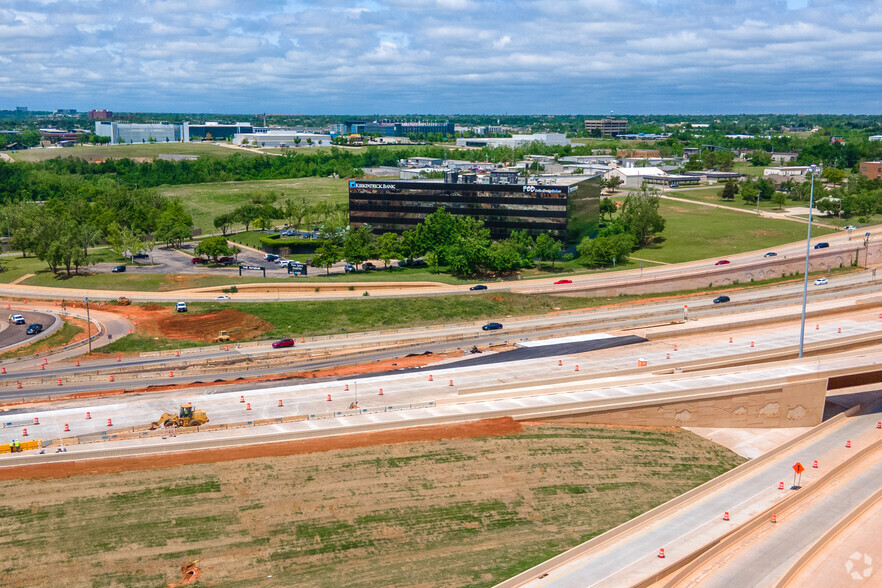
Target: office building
607,126
213,131
100,115
514,140
398,129
871,170
281,138
397,206
127,133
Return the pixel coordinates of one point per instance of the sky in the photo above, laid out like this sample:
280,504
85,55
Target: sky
443,56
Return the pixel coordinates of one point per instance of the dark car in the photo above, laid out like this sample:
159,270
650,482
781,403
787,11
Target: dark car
771,254
140,256
34,329
722,262
368,266
270,257
225,260
822,245
564,282
491,327
283,343
720,299
119,269
478,287
198,260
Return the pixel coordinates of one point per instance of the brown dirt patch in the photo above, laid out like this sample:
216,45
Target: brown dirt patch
153,320
484,428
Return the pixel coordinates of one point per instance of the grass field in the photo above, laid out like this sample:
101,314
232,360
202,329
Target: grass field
466,512
59,338
206,201
131,151
695,232
712,195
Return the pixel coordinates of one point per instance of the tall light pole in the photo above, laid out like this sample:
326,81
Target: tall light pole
813,170
89,326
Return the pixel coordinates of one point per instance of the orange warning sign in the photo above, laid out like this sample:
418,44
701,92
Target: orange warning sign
797,467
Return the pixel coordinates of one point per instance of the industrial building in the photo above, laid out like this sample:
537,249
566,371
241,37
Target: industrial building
565,209
871,170
514,140
126,133
280,138
213,131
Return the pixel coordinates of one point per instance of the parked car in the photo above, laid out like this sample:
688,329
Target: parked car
226,260
283,343
721,299
564,282
181,307
822,245
222,298
349,268
141,256
850,227
34,329
368,266
119,269
821,282
771,254
491,327
478,287
270,257
722,262
17,319
198,260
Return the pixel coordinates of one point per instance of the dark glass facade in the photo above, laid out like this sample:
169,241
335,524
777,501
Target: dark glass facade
396,206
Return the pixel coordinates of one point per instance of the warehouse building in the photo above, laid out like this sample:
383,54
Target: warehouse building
565,209
125,133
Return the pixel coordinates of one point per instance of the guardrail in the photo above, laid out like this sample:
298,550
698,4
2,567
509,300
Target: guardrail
100,330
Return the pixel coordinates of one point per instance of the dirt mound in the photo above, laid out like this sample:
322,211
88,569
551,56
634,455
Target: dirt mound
206,327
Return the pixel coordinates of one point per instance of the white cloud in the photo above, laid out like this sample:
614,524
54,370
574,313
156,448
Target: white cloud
445,55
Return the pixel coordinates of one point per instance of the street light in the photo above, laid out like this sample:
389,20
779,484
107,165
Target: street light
813,170
89,326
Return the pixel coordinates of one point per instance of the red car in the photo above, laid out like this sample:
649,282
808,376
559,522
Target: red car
564,282
283,343
722,262
198,260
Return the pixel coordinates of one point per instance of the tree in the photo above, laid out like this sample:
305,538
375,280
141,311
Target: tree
831,206
640,217
833,175
224,222
749,192
124,241
606,250
359,246
607,206
246,214
175,225
730,189
548,248
613,183
760,159
213,247
327,254
387,247
766,188
779,199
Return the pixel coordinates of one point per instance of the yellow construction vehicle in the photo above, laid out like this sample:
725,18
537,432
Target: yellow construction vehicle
123,301
222,338
188,417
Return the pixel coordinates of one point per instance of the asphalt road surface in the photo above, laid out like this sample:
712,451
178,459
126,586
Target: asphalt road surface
15,334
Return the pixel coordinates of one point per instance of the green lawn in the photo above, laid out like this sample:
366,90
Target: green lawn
16,267
748,169
695,232
123,151
711,195
205,201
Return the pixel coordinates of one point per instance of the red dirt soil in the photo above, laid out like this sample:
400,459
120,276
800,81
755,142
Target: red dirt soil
484,428
153,320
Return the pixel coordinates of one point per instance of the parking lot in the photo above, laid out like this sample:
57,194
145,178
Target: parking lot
172,261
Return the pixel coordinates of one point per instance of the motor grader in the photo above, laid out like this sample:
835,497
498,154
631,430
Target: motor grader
188,417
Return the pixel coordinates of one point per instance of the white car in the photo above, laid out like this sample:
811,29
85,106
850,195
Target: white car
821,282
281,262
222,298
850,227
17,319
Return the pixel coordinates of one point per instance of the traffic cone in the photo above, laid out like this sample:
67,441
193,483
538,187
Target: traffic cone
88,416
815,464
839,330
4,370
577,368
19,385
381,391
781,486
430,377
280,403
451,382
118,359
36,421
241,399
78,363
111,378
42,366
774,519
661,553
109,423
817,327
675,347
303,339
66,428
730,339
248,406
848,444
24,432
559,362
667,356
59,381
329,397
171,374
751,343
346,388
177,352
726,516
878,425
